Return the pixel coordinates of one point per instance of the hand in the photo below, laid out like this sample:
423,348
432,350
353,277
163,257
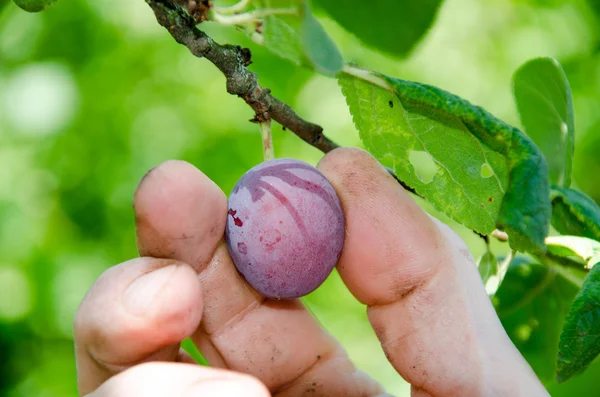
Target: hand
422,290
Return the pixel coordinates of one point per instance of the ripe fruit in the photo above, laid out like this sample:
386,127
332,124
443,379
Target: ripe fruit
285,228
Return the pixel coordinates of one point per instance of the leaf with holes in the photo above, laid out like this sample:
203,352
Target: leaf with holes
545,105
392,26
532,304
580,339
574,213
473,167
299,37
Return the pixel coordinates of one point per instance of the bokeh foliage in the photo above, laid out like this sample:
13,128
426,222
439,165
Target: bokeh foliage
93,94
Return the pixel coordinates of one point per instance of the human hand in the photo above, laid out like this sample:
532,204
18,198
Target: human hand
423,293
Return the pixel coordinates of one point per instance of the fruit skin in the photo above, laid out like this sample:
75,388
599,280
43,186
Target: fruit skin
34,5
285,228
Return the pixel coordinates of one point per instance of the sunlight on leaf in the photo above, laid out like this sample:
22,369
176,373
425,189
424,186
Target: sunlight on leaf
490,174
568,246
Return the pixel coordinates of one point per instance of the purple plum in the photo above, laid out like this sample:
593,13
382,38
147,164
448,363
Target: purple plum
285,228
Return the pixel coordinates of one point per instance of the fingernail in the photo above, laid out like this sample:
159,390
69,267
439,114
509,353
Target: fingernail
142,294
219,388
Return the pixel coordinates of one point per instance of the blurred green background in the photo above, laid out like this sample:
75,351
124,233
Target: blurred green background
94,93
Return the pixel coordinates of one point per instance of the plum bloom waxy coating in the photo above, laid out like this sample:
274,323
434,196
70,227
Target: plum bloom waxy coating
285,228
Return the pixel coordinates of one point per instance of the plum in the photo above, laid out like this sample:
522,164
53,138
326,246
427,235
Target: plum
285,228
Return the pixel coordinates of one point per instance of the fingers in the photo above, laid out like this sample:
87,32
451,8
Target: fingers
137,311
279,342
180,380
385,229
425,299
179,212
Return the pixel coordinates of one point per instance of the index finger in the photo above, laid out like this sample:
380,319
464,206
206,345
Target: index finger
140,310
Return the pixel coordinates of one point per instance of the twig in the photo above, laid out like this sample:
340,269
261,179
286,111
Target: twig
232,61
198,9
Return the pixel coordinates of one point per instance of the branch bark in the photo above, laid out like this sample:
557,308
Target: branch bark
232,61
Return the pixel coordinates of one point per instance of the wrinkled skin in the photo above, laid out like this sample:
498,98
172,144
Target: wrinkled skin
420,285
285,228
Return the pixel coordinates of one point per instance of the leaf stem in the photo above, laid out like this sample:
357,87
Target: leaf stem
233,9
232,61
248,17
267,140
366,75
504,265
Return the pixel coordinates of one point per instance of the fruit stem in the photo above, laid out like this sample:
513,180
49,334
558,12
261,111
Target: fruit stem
267,140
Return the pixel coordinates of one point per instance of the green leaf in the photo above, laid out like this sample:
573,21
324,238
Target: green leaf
493,272
580,339
545,105
34,5
488,270
299,38
574,213
320,49
394,27
487,174
571,246
532,303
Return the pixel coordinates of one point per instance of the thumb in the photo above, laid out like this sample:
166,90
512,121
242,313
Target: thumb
425,299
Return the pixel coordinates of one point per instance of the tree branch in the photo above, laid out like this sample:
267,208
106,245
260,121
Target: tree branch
232,61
